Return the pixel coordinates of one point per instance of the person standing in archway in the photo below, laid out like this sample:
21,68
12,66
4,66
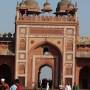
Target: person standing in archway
68,87
75,86
19,85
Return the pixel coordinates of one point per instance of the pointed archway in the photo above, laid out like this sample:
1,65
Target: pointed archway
5,72
45,53
84,78
45,75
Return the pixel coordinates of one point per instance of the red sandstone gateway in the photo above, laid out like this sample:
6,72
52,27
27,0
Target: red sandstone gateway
46,47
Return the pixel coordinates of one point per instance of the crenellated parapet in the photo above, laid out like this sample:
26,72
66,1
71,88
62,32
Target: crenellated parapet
46,19
7,37
84,41
83,47
7,44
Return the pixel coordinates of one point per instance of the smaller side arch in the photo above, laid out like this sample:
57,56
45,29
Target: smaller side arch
5,72
84,78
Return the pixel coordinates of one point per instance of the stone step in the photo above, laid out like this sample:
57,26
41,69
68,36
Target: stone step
41,89
45,89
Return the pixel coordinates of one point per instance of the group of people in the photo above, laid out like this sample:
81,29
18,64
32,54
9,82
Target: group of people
68,87
15,86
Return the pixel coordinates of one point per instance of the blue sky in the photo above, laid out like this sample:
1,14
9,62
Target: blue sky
8,10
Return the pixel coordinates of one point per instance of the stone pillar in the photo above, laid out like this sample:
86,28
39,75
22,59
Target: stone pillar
57,75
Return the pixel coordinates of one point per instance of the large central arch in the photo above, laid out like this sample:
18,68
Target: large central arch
53,59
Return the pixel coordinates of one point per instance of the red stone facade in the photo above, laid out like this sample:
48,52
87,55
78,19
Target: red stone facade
47,40
57,34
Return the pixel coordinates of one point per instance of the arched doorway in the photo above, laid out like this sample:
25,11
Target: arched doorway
5,72
44,76
45,53
84,78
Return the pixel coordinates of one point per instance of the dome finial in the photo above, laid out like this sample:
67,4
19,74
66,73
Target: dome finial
46,0
23,0
65,0
76,4
47,7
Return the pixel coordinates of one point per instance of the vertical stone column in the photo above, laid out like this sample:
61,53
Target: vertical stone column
57,75
17,45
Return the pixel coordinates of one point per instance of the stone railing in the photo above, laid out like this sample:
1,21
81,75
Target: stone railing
48,18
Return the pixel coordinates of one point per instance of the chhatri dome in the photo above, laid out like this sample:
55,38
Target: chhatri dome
31,5
65,7
47,7
62,5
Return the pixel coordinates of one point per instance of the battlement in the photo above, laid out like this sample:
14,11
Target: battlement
7,37
51,19
84,41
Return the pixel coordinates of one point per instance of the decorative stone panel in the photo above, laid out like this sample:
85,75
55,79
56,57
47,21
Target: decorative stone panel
69,45
21,68
69,56
46,31
70,31
68,69
22,44
22,31
22,56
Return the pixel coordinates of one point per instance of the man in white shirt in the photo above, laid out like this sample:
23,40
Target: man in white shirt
68,87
